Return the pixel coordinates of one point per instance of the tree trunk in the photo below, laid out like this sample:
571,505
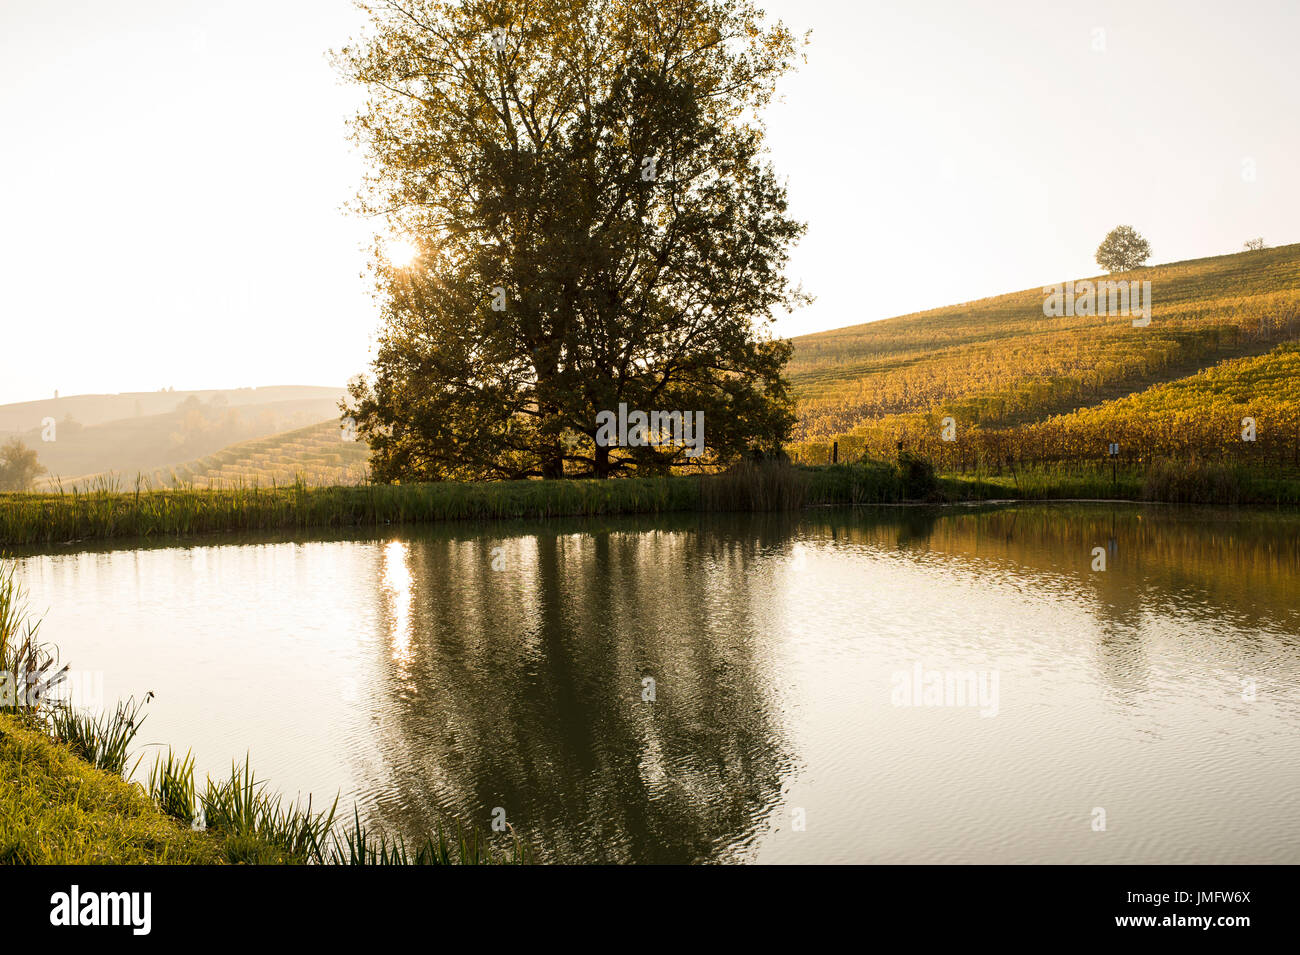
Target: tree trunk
552,461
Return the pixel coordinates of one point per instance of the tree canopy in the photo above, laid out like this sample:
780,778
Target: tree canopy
595,222
1123,250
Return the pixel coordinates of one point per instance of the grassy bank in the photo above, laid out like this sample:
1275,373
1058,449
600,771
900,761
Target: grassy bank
35,519
57,809
1165,482
54,518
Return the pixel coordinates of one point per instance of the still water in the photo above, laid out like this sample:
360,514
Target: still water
448,671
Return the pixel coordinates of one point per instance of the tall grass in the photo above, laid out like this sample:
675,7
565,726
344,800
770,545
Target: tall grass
29,669
750,486
257,826
241,810
33,519
36,519
862,482
64,516
103,740
1198,482
1168,481
171,787
358,845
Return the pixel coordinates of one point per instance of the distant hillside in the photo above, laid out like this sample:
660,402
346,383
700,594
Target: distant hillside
194,424
999,363
318,454
89,410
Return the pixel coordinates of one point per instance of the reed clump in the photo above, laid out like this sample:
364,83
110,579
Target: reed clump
862,482
755,486
360,845
101,740
29,668
171,787
1197,482
258,826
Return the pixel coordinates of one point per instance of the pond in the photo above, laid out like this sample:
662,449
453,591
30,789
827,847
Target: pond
867,685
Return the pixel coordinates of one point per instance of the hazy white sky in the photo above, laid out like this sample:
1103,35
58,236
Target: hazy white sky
172,171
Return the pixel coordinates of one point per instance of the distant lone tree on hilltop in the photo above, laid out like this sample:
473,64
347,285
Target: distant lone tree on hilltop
1123,250
1255,245
18,466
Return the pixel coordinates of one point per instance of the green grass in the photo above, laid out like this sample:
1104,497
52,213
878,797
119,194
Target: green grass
171,787
56,809
64,802
55,806
247,815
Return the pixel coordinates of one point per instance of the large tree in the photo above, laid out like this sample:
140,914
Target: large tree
596,224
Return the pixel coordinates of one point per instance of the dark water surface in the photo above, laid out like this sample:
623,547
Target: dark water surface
449,670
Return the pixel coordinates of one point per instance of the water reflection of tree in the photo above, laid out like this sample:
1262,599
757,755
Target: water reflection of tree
521,688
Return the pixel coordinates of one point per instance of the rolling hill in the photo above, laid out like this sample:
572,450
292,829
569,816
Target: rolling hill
91,410
317,455
1016,382
79,437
